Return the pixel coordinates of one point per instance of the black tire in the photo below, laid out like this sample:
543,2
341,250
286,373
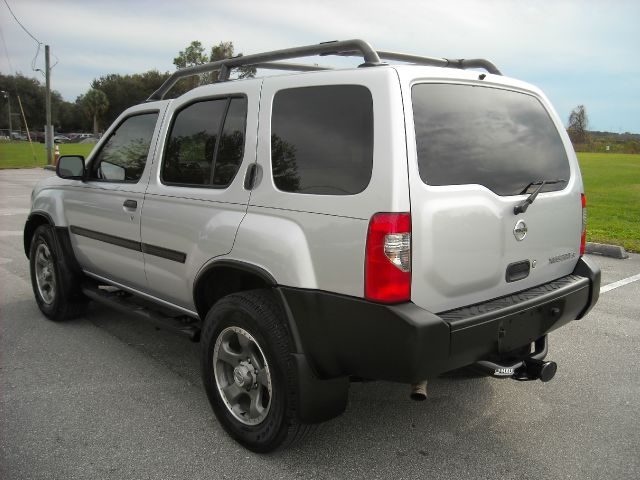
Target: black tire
257,313
64,300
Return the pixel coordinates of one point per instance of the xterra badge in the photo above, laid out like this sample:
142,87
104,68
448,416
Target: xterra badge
563,257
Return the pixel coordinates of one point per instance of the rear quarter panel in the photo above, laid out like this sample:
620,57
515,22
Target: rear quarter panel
318,241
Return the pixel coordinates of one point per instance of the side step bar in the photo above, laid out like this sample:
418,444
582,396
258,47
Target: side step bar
529,367
127,303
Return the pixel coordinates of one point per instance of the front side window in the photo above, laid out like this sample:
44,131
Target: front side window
206,143
322,139
501,139
123,156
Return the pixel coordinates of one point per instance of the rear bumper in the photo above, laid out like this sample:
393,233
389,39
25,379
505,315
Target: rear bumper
343,335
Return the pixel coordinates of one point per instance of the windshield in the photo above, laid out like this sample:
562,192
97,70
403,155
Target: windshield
501,139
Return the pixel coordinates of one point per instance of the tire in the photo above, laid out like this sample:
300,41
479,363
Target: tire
248,372
54,285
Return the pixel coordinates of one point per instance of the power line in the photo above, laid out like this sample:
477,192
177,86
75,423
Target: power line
38,42
22,26
6,52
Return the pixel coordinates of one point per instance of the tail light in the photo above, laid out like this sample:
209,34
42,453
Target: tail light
583,237
387,266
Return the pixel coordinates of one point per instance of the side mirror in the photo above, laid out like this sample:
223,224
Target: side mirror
71,167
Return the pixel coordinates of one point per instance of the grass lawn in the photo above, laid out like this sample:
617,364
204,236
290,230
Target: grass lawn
612,186
19,154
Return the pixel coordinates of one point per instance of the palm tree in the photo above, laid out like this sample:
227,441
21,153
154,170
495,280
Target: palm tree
95,103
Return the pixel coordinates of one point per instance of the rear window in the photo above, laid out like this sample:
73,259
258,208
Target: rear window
322,139
501,139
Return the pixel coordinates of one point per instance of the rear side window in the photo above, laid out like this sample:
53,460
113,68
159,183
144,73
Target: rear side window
231,147
205,144
322,139
501,139
123,156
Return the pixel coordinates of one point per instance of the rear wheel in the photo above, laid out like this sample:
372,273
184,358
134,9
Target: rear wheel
248,373
56,290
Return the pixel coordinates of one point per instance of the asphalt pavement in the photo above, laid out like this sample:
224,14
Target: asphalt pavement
108,397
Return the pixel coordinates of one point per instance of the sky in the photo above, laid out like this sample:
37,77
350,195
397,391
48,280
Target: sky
576,51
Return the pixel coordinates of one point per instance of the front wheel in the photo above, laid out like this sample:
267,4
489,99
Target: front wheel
56,292
248,372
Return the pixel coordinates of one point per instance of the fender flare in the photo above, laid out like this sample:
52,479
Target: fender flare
31,225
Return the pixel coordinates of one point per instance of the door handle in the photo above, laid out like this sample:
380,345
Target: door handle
132,204
253,176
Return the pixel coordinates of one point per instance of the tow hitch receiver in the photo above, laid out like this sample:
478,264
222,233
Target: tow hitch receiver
529,367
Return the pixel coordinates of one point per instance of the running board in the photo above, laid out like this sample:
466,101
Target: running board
128,303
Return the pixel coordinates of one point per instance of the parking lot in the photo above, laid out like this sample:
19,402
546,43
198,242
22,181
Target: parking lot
106,396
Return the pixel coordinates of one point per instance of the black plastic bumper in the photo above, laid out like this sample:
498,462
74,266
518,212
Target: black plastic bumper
343,335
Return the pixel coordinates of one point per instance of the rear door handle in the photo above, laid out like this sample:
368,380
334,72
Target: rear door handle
252,178
132,204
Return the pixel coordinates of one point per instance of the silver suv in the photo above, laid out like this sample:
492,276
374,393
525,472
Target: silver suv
387,222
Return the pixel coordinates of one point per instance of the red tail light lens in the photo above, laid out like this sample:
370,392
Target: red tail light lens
583,237
387,267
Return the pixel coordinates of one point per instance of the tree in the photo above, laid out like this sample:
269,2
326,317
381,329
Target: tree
95,103
63,114
189,57
225,50
578,125
194,55
124,91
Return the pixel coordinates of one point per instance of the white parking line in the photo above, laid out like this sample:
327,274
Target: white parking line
620,283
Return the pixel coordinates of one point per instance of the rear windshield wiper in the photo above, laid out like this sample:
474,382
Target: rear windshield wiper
522,206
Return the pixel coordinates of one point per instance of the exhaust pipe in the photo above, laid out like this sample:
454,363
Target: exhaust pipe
419,391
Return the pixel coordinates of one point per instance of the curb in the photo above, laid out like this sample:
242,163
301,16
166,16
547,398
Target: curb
613,251
50,167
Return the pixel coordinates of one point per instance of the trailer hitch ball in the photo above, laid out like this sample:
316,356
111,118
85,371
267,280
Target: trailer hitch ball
545,371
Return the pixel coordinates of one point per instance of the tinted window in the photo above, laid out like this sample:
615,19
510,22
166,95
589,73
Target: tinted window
322,139
124,155
231,145
501,139
191,146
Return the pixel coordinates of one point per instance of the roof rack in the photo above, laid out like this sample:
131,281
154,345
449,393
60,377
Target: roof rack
433,61
345,48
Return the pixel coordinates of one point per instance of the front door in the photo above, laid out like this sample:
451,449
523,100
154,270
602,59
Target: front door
103,212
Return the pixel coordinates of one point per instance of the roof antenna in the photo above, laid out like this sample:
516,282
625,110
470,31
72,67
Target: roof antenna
482,76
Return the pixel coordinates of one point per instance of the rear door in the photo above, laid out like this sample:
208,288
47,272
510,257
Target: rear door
475,152
196,197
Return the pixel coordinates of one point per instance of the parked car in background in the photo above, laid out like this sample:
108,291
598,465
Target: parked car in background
61,139
82,138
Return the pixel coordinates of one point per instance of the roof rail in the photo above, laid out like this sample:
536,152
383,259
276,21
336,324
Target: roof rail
224,66
345,48
433,61
442,62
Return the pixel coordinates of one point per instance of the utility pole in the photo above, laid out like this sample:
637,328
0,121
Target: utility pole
8,98
48,129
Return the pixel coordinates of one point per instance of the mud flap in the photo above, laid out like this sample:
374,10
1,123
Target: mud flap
318,400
